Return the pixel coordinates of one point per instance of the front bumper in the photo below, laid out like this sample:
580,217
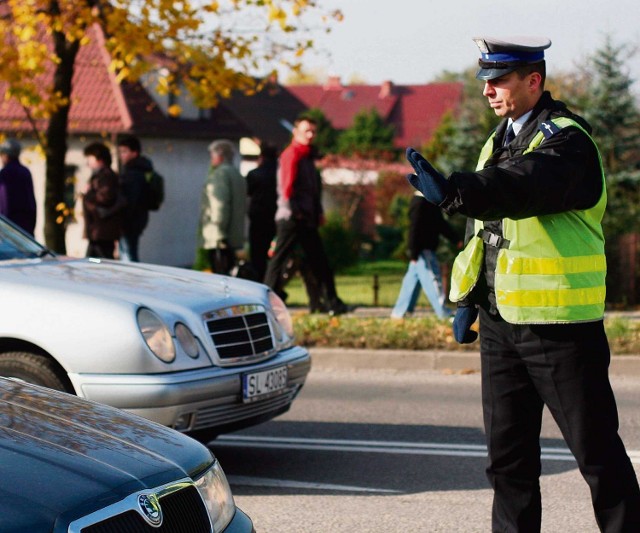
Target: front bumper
196,400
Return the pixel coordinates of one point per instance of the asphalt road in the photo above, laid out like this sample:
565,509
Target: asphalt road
394,450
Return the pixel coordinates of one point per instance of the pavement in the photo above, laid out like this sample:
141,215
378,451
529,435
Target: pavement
451,362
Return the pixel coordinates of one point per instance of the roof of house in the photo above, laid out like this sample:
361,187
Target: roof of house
102,105
414,110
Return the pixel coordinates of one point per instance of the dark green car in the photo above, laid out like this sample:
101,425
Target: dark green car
74,466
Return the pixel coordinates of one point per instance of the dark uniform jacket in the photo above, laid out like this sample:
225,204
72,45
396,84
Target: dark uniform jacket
562,174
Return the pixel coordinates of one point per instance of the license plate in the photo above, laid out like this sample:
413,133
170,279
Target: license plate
259,384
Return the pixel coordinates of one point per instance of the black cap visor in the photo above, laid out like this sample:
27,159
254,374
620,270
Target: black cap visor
490,70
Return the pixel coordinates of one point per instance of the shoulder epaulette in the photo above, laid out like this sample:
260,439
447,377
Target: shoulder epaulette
549,129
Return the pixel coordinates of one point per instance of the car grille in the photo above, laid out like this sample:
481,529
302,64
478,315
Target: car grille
228,414
183,511
240,332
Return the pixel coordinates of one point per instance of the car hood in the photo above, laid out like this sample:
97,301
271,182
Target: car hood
62,455
134,282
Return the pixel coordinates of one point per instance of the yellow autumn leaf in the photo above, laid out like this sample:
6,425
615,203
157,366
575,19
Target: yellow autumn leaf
174,110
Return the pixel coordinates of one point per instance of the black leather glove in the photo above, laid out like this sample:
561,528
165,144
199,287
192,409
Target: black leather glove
464,319
431,183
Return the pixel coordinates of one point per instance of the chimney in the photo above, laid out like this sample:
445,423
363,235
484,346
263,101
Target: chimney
333,83
385,89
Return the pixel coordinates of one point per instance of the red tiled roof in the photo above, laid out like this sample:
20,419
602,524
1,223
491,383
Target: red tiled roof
414,110
97,103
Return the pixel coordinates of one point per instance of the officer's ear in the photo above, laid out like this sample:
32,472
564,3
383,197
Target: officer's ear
534,81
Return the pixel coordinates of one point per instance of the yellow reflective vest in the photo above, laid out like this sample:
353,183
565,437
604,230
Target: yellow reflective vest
553,269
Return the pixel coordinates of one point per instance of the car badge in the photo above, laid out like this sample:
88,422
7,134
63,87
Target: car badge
150,509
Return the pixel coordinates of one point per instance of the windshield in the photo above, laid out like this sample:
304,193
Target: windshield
16,244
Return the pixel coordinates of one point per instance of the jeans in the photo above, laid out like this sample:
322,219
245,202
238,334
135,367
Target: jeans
425,272
128,247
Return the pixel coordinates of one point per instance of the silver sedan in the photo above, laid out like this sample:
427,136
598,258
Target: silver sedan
202,353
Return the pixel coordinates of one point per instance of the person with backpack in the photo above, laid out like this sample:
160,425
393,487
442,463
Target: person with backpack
135,174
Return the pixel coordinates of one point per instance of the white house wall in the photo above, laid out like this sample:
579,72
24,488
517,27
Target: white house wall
170,238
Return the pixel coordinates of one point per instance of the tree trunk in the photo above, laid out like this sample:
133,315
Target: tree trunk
56,143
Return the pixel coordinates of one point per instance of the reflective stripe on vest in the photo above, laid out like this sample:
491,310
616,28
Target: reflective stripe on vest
554,268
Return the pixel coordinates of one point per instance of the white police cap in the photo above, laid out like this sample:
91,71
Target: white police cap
501,56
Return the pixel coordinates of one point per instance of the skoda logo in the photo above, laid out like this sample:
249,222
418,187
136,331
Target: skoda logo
150,509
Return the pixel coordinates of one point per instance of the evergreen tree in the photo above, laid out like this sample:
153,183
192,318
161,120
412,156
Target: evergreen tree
612,110
368,136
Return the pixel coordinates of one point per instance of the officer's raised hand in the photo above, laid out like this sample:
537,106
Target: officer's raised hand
464,319
427,180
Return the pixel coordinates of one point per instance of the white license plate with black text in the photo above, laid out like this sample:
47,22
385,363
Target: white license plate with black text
258,384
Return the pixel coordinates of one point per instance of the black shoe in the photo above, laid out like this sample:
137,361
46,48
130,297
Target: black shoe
340,309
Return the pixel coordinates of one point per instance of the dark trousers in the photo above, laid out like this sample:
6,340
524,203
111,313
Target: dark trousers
261,233
102,249
222,260
290,233
564,367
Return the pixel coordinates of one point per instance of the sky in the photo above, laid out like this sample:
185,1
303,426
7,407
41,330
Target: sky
412,41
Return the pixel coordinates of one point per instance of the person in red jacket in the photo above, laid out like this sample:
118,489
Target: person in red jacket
299,215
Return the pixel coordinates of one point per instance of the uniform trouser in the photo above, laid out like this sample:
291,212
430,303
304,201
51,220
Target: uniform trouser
289,233
564,367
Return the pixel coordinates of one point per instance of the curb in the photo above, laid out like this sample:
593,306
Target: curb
350,359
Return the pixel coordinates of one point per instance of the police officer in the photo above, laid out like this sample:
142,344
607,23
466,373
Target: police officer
534,268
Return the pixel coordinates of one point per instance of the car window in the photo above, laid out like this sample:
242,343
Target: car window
15,244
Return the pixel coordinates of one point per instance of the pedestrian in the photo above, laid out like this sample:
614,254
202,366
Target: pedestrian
103,205
299,215
426,225
534,269
262,195
17,200
223,208
134,168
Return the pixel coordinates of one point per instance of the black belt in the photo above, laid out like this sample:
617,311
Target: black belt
493,240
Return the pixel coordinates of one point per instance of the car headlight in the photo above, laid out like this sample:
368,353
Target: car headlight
157,335
281,314
187,340
214,490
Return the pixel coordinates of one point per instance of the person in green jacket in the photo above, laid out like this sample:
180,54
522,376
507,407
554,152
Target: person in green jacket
223,208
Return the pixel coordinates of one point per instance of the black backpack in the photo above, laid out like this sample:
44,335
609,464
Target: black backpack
153,191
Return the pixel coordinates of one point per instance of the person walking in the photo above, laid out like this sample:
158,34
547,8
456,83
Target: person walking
134,168
103,205
426,225
534,270
223,208
262,194
17,200
299,215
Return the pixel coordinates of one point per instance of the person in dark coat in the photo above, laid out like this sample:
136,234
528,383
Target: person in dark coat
133,171
262,195
17,200
103,205
534,270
